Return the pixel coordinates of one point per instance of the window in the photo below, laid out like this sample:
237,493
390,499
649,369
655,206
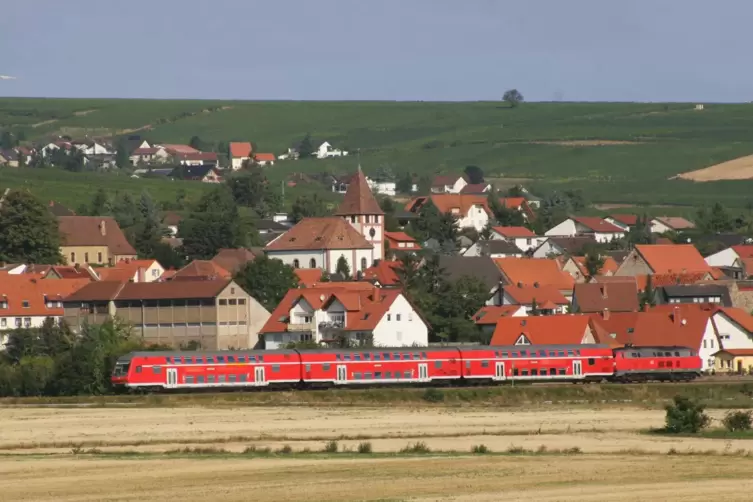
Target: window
388,374
312,263
561,353
591,361
86,257
397,317
199,360
221,379
437,364
552,371
410,316
711,342
210,378
3,323
189,379
352,219
325,367
157,370
223,302
210,359
484,364
562,371
200,379
189,360
357,376
25,304
241,301
99,260
27,322
363,264
73,258
515,372
570,353
377,375
367,376
275,368
221,359
241,359
232,301
296,263
138,369
18,322
525,373
534,372
243,377
389,317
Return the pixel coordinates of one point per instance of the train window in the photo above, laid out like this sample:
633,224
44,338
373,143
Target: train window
634,354
552,353
542,353
156,370
396,356
138,369
241,359
570,353
423,355
339,357
377,357
356,357
210,360
210,379
177,360
189,360
167,359
346,357
408,357
367,375
515,372
408,374
561,353
524,373
523,353
231,359
667,354
367,357
251,359
325,367
200,379
189,379
513,354
467,365
484,364
534,372
669,364
416,355
386,356
591,361
357,376
275,368
661,364
243,377
387,374
437,364
377,375
577,352
221,379
261,359
221,359
232,378
552,371
308,368
677,354
562,371
504,354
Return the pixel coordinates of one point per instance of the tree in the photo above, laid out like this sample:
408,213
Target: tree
122,155
29,231
685,416
125,211
512,98
433,224
252,189
474,174
647,297
197,143
384,173
149,230
404,184
342,267
715,220
308,207
7,140
167,256
305,147
594,262
267,279
504,216
640,233
100,205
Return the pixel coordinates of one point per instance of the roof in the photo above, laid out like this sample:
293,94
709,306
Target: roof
193,172
692,290
598,225
89,230
514,232
625,219
675,222
202,156
171,218
744,251
399,236
482,268
358,198
615,297
201,269
320,233
106,291
739,316
570,245
17,289
490,314
146,151
232,260
609,267
530,271
384,272
736,352
672,258
445,180
446,202
541,330
525,295
265,157
240,149
175,149
475,188
124,270
308,276
499,246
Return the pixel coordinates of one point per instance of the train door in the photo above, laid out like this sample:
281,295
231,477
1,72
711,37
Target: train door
577,369
499,372
342,373
423,372
259,377
172,378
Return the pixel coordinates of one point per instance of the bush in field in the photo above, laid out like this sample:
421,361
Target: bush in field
331,447
735,421
417,447
685,416
364,448
480,449
433,395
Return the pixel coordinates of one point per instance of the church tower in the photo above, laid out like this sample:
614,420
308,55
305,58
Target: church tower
362,211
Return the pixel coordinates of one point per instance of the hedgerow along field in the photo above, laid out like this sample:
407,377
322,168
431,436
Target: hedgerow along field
616,152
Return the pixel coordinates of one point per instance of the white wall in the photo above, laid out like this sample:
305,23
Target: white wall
658,227
409,330
731,335
565,229
724,258
617,223
709,346
607,237
10,324
303,257
523,243
545,250
476,218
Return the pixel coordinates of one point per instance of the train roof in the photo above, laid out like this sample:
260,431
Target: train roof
202,353
578,346
370,350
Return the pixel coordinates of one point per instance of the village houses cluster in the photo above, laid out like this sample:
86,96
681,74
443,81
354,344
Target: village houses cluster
540,290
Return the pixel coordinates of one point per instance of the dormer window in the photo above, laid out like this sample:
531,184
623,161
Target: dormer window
455,210
25,304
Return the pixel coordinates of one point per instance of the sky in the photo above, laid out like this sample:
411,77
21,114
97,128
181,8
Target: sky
431,50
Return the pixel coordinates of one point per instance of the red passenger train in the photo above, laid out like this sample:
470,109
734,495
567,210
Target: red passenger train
406,365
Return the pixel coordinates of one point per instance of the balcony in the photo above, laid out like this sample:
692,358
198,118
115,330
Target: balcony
331,325
298,326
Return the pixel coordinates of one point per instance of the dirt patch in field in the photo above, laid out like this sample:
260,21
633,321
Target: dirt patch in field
735,169
44,122
82,113
586,142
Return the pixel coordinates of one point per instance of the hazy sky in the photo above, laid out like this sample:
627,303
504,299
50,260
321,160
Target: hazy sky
636,50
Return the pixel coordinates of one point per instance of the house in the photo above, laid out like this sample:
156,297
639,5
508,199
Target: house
148,155
172,221
650,259
597,297
323,314
355,233
624,221
218,314
326,150
265,159
90,147
535,272
240,152
175,149
201,270
448,184
482,268
576,267
693,293
93,239
47,149
601,230
737,361
196,159
663,224
494,249
203,173
545,299
233,260
470,211
26,301
400,241
559,246
734,328
383,273
383,186
340,183
731,257
133,271
9,158
543,330
523,238
488,316
54,272
476,188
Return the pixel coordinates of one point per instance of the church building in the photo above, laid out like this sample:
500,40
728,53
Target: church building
356,232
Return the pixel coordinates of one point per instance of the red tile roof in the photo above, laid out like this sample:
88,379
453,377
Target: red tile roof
201,269
739,316
530,271
490,314
675,222
124,270
308,276
744,251
541,330
513,232
320,233
625,219
240,149
446,202
399,236
94,231
233,260
106,291
672,258
615,297
176,149
358,198
145,151
736,352
384,272
527,294
598,225
265,157
17,289
609,267
474,188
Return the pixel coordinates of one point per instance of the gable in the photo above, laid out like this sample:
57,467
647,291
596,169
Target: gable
523,340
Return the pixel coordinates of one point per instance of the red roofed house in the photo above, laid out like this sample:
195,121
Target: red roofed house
383,273
356,233
470,211
321,314
728,257
600,229
201,270
265,159
535,272
133,271
487,316
175,149
543,330
400,241
93,239
522,237
576,266
197,159
657,259
600,297
148,155
240,152
624,221
734,328
452,183
663,224
548,299
308,277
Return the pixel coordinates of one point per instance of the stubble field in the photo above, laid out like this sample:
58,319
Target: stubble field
190,454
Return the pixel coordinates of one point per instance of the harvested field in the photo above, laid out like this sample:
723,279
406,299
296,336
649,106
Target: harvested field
735,169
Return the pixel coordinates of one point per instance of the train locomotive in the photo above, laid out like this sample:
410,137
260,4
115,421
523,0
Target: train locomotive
424,366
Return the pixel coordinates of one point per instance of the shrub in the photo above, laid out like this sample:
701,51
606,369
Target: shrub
432,395
480,449
516,450
575,450
331,447
364,447
285,450
735,421
417,447
685,416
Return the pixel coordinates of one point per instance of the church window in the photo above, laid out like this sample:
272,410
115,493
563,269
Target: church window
352,219
372,233
296,263
363,263
376,219
312,263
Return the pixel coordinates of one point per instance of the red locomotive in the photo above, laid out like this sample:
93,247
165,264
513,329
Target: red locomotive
406,365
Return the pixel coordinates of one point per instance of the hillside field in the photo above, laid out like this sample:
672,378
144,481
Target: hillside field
616,152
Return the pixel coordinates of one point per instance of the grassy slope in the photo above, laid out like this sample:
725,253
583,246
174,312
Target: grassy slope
426,138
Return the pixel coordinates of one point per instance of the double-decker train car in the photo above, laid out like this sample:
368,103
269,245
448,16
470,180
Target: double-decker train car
406,365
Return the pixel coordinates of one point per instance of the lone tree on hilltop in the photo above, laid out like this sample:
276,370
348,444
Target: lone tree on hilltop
512,97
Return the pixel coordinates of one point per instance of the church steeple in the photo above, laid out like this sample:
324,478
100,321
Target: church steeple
358,198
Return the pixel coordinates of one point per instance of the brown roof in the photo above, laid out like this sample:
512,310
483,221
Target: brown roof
597,224
233,260
533,271
675,222
105,291
89,230
201,269
615,297
625,219
359,199
320,233
97,291
240,149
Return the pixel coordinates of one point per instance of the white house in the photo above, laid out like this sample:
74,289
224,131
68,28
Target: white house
730,257
132,271
327,150
663,224
556,246
149,155
240,152
601,230
522,237
448,184
384,187
92,148
624,221
359,310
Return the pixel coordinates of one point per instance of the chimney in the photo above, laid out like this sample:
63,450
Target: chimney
676,316
535,284
604,291
520,284
102,229
605,314
376,294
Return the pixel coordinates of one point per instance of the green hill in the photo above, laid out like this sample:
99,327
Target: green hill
616,152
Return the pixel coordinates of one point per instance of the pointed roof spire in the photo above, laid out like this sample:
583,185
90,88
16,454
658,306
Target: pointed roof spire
358,199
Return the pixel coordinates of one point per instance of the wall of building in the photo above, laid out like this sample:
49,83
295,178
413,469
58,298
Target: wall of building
724,258
633,265
96,255
565,229
304,258
731,336
477,218
409,330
